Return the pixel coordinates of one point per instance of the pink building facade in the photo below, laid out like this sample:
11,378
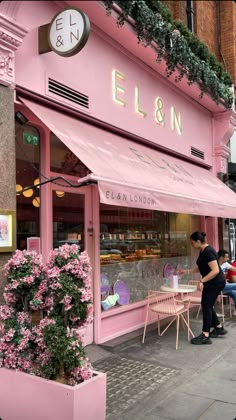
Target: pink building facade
134,157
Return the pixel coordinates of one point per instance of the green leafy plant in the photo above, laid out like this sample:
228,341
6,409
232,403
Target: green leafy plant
182,50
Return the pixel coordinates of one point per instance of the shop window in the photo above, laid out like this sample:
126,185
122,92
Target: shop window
138,249
68,219
27,172
63,160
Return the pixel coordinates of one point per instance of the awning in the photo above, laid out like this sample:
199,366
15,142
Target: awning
133,175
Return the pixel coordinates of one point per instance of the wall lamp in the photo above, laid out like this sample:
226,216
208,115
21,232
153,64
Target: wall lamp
20,118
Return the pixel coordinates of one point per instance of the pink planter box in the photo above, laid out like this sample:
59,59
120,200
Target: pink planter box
27,397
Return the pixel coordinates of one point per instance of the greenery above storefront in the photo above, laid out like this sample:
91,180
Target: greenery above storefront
180,48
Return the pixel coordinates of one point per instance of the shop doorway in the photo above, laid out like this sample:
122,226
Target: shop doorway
70,218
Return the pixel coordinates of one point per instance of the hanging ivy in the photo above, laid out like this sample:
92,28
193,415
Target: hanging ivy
181,49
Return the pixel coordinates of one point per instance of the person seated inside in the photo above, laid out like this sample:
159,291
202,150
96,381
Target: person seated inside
230,288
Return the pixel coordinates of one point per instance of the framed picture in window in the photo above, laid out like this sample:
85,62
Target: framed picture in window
7,230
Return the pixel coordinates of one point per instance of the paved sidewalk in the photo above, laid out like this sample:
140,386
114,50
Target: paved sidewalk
153,381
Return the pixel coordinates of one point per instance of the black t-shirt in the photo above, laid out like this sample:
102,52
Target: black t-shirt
206,256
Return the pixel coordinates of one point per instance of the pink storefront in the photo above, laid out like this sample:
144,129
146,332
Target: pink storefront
134,158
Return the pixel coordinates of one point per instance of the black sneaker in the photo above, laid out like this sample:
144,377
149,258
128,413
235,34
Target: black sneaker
218,331
201,339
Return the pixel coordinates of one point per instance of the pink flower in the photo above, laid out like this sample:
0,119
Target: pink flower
23,317
55,285
80,373
67,302
28,280
86,295
49,302
9,335
53,272
5,312
14,284
46,321
9,298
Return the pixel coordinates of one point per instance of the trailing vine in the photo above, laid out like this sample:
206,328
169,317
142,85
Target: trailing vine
180,48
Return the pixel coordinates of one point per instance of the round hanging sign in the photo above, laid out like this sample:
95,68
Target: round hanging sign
68,32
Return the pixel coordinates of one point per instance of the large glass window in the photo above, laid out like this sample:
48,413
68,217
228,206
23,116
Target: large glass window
27,172
68,219
138,248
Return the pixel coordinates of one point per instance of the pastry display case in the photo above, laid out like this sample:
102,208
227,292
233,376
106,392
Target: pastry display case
127,250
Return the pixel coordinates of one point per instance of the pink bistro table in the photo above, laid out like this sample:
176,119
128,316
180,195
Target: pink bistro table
181,289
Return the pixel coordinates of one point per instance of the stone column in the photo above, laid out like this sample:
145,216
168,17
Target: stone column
11,36
7,161
223,128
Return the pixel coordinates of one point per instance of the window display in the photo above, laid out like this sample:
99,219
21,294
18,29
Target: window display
135,245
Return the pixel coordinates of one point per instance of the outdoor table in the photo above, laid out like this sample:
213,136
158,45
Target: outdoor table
182,288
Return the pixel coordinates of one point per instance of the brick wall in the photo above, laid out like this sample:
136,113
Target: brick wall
228,35
215,25
178,9
206,27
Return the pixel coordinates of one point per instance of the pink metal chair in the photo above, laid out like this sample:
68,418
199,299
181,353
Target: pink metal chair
195,298
162,303
221,299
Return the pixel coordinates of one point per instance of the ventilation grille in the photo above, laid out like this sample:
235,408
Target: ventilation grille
197,153
67,93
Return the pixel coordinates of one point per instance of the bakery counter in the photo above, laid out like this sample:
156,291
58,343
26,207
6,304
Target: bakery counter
110,259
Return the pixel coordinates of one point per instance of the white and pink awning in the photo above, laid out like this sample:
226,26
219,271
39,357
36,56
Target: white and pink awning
133,175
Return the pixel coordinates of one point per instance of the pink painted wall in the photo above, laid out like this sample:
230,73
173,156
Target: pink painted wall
90,72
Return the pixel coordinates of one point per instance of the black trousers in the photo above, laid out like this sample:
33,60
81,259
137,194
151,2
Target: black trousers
209,296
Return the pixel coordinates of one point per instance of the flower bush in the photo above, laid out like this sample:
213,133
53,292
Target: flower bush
25,292
69,283
61,291
27,283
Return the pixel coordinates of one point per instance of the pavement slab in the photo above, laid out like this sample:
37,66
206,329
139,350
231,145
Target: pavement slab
129,381
220,390
220,411
182,406
154,381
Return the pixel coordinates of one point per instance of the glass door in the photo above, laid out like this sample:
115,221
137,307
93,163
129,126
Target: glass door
68,219
71,216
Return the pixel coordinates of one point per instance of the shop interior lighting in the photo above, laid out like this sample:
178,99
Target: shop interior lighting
36,202
18,188
36,182
28,193
60,194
